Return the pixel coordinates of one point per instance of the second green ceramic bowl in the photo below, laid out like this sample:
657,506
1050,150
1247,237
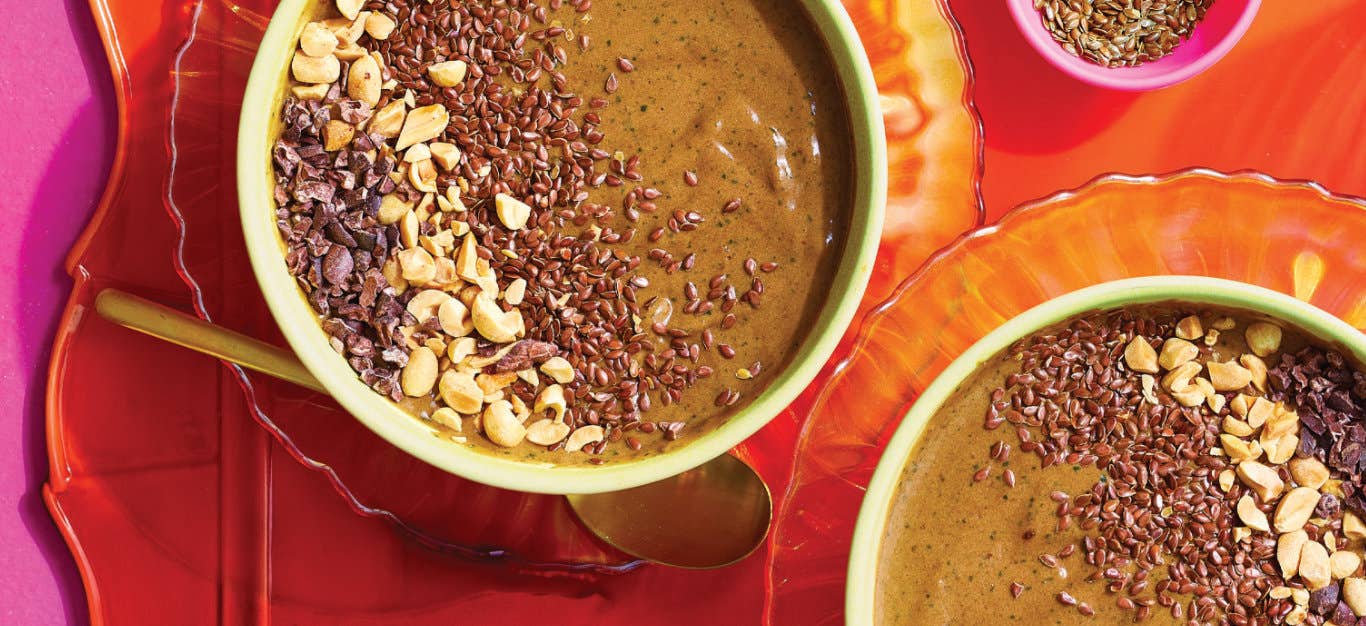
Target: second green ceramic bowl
861,587
256,133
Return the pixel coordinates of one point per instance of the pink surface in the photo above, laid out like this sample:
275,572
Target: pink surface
57,146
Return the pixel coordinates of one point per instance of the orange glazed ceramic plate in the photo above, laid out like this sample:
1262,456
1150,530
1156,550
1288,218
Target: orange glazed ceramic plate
1293,237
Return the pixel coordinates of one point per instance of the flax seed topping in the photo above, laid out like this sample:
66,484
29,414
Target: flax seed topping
475,243
1200,481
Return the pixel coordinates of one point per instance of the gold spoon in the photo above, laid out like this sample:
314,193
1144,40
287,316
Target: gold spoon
707,517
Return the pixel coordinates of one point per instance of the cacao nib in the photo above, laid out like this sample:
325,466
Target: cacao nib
1327,393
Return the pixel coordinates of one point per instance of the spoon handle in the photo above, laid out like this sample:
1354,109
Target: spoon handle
163,322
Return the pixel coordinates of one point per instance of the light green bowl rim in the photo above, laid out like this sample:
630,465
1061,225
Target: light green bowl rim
300,327
860,591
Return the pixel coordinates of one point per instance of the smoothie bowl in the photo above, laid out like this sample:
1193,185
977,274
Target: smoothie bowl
568,247
1167,449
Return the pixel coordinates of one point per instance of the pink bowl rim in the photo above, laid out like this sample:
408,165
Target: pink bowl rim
1027,19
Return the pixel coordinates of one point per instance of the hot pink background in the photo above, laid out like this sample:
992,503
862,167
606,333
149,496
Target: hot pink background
57,143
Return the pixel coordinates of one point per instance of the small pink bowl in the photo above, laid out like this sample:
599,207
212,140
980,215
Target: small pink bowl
1212,38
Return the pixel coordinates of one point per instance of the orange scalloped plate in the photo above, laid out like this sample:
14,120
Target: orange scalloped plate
1293,237
217,486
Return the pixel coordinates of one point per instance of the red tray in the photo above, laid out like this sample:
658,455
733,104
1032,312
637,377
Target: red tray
211,483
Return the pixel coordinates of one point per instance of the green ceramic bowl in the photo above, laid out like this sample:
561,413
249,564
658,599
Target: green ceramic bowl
256,134
861,586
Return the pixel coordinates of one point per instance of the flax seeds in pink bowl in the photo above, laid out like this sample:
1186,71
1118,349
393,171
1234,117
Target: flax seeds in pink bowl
564,231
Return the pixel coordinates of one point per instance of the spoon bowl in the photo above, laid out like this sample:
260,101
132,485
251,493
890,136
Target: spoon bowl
707,517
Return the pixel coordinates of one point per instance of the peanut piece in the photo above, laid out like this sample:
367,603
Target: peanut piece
1263,338
1253,516
419,375
1343,563
457,350
350,8
423,124
392,208
379,26
317,40
1237,449
547,432
501,425
447,73
418,152
1257,367
1224,323
467,260
1236,427
492,322
1280,450
408,229
1193,394
552,397
1240,404
1262,480
1140,356
460,392
515,292
1181,377
348,51
1226,479
315,70
394,275
337,135
583,436
417,265
491,383
1354,593
558,368
1149,384
422,175
1259,412
513,213
426,304
1308,472
1314,568
1289,546
446,416
447,155
1352,526
1228,376
1212,337
310,92
1175,352
388,121
1189,328
1295,509
455,318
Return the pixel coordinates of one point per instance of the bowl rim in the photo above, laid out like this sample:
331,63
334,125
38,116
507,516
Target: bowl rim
1031,28
861,582
298,323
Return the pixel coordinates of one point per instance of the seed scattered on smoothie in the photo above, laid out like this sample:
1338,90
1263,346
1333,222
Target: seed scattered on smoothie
475,247
1214,481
